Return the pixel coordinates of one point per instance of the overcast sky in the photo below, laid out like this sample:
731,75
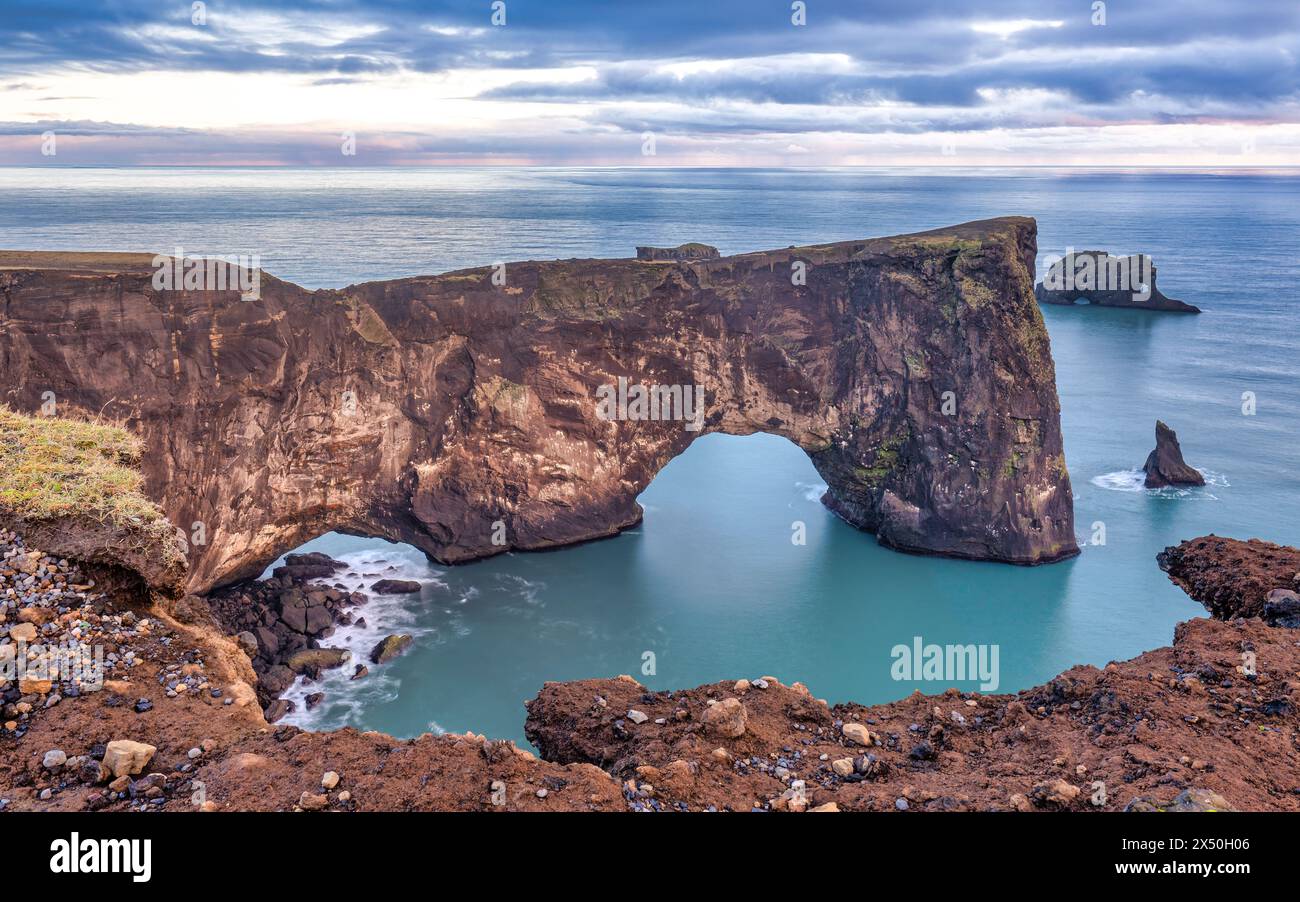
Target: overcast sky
714,82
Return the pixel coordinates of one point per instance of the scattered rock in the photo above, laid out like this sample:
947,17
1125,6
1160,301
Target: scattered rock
395,587
318,659
856,732
23,632
727,718
389,648
310,801
124,757
1057,793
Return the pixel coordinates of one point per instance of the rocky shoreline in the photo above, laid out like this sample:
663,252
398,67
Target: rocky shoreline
284,623
1209,722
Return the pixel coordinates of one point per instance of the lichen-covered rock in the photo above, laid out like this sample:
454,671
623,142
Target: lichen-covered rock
318,659
388,648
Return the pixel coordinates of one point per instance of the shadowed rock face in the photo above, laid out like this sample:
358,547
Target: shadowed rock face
1098,278
461,416
1165,465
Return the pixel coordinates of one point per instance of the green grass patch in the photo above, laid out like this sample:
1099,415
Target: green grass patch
56,467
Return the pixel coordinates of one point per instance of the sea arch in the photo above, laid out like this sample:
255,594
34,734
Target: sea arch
460,413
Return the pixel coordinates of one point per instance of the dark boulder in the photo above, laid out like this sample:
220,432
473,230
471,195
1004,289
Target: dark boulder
318,659
389,648
395,587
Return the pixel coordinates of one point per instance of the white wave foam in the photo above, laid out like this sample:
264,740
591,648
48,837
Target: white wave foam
1135,481
382,615
812,491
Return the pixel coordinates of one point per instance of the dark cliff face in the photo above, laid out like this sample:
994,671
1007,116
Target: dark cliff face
461,415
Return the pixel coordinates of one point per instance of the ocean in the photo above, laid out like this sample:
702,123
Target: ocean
710,586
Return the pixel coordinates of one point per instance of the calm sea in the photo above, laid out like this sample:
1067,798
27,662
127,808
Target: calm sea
710,584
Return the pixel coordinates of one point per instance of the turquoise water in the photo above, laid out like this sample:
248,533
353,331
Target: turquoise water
710,583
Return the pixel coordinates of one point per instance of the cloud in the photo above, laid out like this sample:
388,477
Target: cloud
561,73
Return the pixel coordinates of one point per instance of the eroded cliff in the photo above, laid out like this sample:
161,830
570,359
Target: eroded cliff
459,413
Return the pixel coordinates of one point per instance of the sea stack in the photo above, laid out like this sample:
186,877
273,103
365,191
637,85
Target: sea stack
1165,464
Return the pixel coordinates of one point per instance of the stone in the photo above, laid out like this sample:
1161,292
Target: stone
309,801
23,632
318,658
1199,800
842,766
389,648
728,718
395,587
93,771
54,759
267,641
1056,793
247,643
1282,608
824,808
124,757
636,716
857,733
318,619
329,780
34,687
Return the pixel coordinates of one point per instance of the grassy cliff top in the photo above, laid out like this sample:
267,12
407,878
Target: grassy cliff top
54,466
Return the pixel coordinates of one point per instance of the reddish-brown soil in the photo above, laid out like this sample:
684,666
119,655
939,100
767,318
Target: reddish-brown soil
1230,577
1212,717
